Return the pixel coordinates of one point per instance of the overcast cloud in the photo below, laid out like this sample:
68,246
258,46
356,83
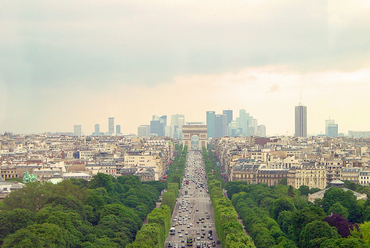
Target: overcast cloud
77,62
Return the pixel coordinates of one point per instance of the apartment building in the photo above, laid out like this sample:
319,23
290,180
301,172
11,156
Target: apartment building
271,176
145,160
310,174
364,178
351,174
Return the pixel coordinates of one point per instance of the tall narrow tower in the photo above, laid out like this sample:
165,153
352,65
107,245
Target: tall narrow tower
111,125
301,121
210,118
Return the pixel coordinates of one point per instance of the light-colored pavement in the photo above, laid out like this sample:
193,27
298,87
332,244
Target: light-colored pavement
192,205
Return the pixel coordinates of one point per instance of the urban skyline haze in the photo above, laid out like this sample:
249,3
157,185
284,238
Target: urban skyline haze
66,63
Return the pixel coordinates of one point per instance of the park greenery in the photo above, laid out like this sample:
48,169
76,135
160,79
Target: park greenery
105,212
229,230
281,216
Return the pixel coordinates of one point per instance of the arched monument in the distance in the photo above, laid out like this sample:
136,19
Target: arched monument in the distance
189,131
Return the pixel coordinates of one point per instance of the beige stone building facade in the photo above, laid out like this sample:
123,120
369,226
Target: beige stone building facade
310,174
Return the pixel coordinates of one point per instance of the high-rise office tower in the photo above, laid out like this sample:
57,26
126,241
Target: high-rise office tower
143,131
327,123
177,121
181,122
332,130
261,130
163,119
229,116
111,125
252,127
243,121
220,127
118,129
156,127
97,130
233,129
301,121
168,131
210,124
77,130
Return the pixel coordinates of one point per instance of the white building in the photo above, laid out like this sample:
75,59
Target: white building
145,160
143,131
77,130
364,178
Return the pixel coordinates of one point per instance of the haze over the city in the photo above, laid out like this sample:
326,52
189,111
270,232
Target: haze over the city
80,62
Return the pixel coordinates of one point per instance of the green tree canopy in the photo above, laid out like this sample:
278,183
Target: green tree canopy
337,208
316,232
281,204
302,217
40,235
304,190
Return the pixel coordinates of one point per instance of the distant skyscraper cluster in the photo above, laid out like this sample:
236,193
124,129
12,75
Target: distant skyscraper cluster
159,127
331,128
219,125
77,129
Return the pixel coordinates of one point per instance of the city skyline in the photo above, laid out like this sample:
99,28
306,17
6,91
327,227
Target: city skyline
67,63
96,127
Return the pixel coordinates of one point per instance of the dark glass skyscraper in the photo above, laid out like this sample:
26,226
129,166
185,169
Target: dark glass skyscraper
118,129
157,127
163,119
220,125
211,124
333,130
229,116
301,121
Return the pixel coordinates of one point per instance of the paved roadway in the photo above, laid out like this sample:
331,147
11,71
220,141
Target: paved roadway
191,206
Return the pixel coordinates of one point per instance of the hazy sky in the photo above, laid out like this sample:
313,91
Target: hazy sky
66,62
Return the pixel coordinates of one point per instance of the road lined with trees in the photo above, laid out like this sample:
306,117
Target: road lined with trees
154,233
229,230
192,218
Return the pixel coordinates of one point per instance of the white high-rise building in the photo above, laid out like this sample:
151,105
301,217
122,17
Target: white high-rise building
143,131
261,130
168,131
181,122
111,125
177,121
252,127
77,130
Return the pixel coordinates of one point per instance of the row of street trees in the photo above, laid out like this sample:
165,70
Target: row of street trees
154,233
281,216
229,230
